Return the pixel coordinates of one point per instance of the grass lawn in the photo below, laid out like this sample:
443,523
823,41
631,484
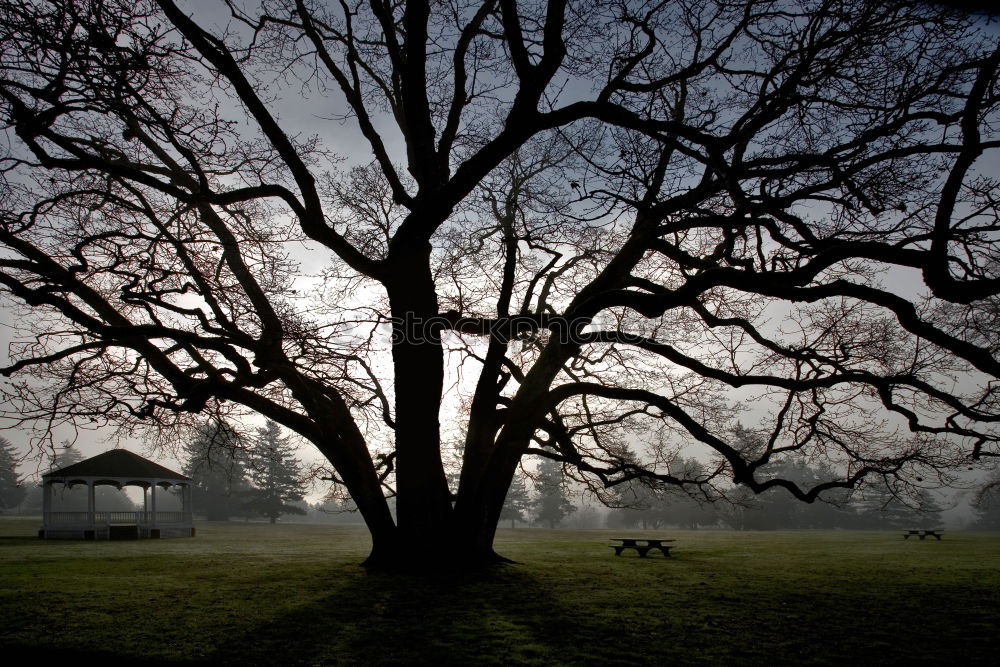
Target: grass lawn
295,594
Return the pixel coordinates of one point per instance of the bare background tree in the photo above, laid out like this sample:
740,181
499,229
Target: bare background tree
588,230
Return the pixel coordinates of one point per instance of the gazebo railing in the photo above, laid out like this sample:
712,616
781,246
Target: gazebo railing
118,517
66,518
105,518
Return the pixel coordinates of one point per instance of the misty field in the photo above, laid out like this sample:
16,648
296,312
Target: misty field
295,594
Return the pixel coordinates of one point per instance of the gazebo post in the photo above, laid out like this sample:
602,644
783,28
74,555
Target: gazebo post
186,509
90,509
152,518
145,505
188,505
46,506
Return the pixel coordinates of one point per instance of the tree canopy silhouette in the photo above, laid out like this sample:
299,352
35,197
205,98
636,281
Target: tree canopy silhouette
588,230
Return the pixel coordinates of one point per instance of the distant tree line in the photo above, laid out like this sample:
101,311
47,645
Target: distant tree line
642,505
258,476
875,507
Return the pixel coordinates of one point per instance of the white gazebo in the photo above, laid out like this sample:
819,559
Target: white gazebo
119,468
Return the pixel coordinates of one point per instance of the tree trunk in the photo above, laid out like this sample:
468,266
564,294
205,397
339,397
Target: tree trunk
480,505
429,532
347,450
486,476
423,510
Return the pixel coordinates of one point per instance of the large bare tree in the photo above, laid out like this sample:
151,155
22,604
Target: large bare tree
593,231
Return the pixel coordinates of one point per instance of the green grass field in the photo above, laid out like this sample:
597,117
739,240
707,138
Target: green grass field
295,594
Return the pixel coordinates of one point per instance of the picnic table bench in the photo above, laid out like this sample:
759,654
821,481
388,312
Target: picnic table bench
641,545
923,533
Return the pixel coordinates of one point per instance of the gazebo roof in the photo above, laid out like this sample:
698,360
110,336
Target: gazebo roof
119,463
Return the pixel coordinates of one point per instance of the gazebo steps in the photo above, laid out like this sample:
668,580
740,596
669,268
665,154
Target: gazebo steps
123,532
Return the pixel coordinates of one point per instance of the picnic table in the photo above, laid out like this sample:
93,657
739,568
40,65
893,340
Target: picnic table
937,533
641,545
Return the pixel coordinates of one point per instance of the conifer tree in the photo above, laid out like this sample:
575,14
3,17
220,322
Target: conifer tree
517,502
551,504
65,456
276,474
986,504
216,463
12,491
883,508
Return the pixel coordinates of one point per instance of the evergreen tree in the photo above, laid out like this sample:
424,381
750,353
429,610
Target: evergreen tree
276,474
987,504
928,510
336,510
687,512
640,506
737,507
881,508
216,464
65,457
682,509
12,491
517,502
635,503
777,509
551,505
650,506
833,509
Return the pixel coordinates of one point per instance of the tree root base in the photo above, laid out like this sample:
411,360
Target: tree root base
435,563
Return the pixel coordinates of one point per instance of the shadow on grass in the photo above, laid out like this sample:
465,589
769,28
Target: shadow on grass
500,617
28,655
